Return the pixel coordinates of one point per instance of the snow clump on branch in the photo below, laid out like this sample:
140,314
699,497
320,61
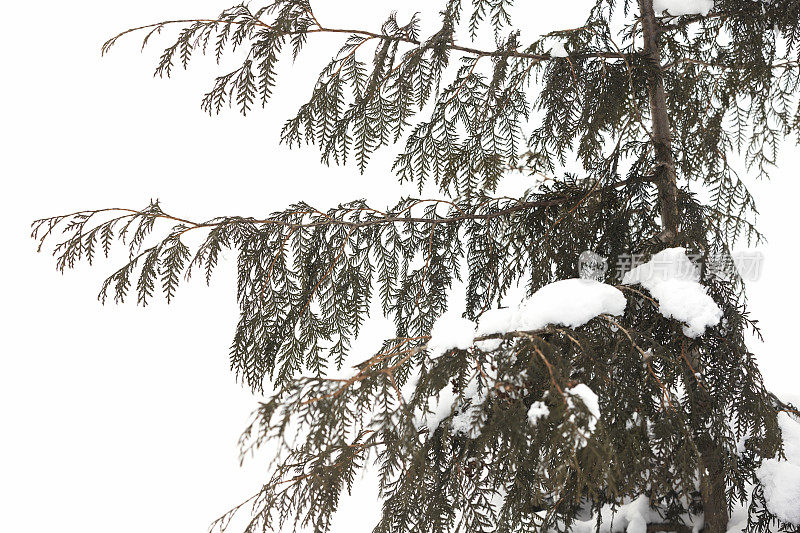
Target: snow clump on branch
569,302
674,281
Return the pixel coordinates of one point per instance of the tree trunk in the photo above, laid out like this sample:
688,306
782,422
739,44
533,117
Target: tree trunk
712,473
662,136
712,477
712,487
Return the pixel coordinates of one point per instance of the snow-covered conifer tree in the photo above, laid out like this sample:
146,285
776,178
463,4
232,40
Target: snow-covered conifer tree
607,399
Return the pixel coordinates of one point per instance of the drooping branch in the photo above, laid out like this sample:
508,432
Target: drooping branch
292,263
43,228
477,52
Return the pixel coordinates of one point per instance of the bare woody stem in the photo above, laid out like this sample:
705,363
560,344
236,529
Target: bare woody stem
666,178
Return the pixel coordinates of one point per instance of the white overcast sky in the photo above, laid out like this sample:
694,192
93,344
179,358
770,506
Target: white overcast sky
125,419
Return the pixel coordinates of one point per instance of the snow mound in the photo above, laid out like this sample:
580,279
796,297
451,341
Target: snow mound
683,7
451,331
781,479
781,482
569,302
674,281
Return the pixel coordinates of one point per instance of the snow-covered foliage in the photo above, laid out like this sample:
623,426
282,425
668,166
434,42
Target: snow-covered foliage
590,401
674,281
781,479
630,517
537,410
683,7
442,408
465,410
463,422
569,302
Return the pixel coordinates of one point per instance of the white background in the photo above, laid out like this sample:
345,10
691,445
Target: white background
125,419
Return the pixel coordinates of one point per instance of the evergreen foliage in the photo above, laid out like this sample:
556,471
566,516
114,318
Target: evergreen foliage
676,411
